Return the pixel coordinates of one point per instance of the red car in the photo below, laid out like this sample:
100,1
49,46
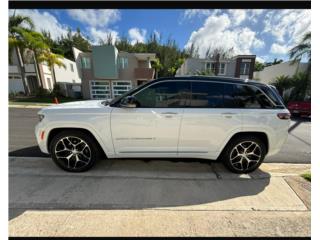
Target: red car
300,108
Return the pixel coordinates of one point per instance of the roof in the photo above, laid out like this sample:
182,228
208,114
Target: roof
212,78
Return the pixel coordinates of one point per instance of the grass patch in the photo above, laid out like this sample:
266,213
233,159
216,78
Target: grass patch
42,100
307,176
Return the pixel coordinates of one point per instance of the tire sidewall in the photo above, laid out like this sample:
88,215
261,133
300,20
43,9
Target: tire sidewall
236,141
78,134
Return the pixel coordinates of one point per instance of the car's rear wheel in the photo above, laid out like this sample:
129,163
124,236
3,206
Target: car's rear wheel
244,154
74,151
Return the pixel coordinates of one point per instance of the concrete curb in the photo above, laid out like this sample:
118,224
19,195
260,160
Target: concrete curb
29,106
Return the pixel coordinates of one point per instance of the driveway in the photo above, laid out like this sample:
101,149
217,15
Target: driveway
156,198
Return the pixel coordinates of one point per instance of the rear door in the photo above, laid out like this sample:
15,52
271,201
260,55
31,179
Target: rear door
206,123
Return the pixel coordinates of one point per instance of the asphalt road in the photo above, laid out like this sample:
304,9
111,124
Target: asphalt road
22,141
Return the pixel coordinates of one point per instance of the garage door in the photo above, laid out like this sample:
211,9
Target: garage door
100,89
120,87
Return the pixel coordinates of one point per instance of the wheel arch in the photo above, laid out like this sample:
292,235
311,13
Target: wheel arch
53,132
261,135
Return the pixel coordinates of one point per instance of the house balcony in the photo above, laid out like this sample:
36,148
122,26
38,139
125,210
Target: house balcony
144,73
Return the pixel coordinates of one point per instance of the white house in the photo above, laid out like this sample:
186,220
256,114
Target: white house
68,77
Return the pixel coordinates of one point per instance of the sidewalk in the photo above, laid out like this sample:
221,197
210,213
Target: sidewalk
157,198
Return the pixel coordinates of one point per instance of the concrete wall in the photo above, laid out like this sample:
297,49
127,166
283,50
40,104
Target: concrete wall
269,74
191,66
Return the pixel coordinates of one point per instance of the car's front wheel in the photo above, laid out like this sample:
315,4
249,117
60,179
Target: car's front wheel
244,154
73,151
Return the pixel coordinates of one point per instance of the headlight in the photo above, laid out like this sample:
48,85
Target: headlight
41,116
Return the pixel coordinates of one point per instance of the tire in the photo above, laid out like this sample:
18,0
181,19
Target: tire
239,150
74,151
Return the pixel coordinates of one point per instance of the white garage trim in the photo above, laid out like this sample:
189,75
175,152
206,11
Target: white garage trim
99,89
120,87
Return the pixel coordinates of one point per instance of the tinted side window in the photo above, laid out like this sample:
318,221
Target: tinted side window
206,95
164,95
242,96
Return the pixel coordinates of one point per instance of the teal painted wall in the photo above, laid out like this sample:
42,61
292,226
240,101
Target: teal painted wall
105,62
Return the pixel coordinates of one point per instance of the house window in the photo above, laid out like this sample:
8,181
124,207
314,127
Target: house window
71,67
120,87
122,62
244,68
210,66
222,69
100,89
85,62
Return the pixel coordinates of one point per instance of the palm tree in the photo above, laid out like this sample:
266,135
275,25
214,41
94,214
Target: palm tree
34,46
17,25
303,49
51,59
156,64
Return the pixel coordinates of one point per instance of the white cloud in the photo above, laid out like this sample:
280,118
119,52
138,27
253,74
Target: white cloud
237,16
157,33
137,35
254,14
287,25
279,49
95,18
218,32
98,35
45,21
262,59
191,13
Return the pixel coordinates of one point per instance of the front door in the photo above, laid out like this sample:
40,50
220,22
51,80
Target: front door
152,128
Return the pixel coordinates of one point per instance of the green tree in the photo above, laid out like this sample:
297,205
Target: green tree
34,45
297,53
19,24
303,49
52,59
258,66
156,64
282,83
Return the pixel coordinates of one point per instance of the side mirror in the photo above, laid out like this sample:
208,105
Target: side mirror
129,102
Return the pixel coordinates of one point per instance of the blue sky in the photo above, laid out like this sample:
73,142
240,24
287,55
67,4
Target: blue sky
268,34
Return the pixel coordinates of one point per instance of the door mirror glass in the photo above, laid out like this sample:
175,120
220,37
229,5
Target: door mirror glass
129,102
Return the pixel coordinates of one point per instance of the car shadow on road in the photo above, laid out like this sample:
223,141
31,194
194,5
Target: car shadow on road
132,184
33,151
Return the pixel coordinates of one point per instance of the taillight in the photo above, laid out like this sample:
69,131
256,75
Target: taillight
284,115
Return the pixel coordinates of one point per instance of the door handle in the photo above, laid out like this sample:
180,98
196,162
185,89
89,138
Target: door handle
228,114
169,113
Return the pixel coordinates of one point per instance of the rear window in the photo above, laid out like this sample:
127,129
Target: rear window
273,94
245,96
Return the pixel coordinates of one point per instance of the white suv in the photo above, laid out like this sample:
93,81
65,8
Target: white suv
234,120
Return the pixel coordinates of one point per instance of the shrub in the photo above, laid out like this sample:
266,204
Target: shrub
41,92
56,91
